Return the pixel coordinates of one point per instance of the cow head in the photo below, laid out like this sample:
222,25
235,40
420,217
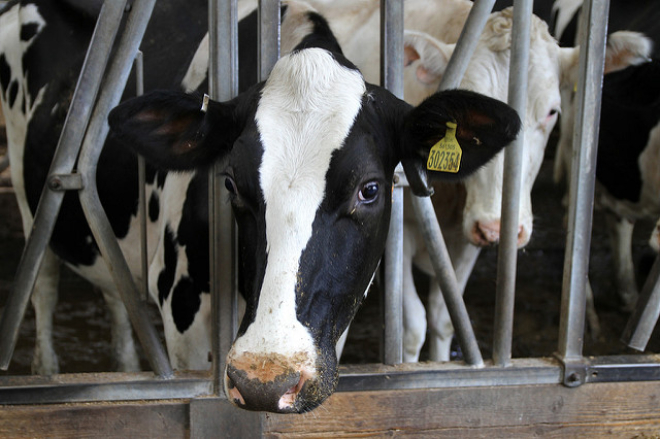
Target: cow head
308,159
488,73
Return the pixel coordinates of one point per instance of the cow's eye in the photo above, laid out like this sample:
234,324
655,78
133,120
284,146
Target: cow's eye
369,192
230,185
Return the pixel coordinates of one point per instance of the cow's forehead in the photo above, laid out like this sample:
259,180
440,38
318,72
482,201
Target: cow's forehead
307,109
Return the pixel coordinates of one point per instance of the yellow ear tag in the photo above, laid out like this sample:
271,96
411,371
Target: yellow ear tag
445,156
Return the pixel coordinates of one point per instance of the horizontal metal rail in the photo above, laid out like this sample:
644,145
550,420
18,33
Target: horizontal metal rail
70,388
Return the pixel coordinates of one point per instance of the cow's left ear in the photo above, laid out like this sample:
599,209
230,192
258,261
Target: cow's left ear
453,133
174,130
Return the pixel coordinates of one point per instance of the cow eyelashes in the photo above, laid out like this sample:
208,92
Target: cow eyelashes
369,192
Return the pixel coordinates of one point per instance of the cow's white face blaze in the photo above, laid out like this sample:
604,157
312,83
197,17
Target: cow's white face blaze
307,108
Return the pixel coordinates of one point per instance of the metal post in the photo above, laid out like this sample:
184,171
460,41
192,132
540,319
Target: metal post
467,41
97,131
583,175
269,36
391,55
645,316
142,182
513,158
223,85
446,277
424,206
63,162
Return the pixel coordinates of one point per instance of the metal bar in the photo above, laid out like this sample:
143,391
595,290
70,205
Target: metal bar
142,183
513,162
645,316
269,36
368,377
113,386
109,97
583,174
223,85
63,161
424,207
446,277
391,55
467,41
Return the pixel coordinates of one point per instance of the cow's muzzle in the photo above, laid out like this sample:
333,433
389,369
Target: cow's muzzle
268,382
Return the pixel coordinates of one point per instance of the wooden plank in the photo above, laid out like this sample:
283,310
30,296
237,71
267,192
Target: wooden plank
153,419
593,410
619,408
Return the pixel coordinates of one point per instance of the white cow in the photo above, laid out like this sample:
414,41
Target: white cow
469,214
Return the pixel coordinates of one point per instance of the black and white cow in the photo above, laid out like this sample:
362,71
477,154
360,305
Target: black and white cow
626,169
42,47
309,159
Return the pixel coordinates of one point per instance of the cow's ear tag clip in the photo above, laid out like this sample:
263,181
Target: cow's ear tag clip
445,156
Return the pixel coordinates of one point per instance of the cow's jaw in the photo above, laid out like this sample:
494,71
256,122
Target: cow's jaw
306,111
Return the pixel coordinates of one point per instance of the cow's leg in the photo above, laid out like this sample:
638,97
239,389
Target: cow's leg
414,314
621,231
123,345
440,326
44,300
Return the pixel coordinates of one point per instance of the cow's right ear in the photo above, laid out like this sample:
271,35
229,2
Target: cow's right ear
174,130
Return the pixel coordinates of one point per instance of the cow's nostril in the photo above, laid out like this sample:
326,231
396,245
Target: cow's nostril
277,394
486,233
289,398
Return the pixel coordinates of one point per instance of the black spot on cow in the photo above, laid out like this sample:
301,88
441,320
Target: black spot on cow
5,74
12,94
154,207
166,276
185,303
193,231
28,31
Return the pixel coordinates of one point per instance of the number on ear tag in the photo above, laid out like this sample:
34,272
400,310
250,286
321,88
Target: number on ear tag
445,156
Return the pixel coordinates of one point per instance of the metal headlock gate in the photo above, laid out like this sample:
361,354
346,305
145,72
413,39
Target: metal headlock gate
209,413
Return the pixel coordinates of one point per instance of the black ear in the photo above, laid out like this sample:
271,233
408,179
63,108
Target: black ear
172,131
483,126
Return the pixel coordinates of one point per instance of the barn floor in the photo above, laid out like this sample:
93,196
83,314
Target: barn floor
82,324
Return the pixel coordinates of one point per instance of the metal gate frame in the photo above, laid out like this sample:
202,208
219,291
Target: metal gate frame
569,367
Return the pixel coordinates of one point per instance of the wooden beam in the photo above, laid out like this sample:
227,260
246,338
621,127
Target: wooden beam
552,410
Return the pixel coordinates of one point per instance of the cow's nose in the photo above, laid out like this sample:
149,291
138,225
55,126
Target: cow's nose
260,387
488,233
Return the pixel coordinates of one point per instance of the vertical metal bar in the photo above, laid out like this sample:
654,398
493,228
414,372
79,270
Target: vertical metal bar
142,181
645,316
424,211
269,36
444,272
513,158
63,161
391,25
223,85
92,146
583,173
467,41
